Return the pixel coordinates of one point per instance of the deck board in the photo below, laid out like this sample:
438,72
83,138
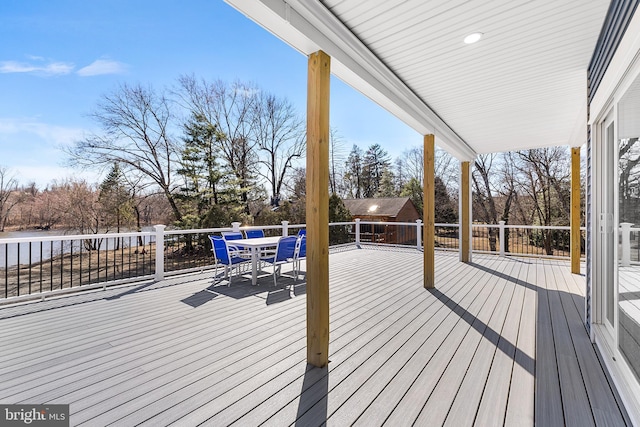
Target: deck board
575,402
468,319
520,402
548,399
387,393
473,349
499,341
602,400
493,405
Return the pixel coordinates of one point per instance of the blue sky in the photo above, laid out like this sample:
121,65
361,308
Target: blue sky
58,57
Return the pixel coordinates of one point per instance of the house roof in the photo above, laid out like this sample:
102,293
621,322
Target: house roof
388,206
523,85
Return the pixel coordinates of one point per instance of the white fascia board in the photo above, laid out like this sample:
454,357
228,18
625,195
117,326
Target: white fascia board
308,26
579,134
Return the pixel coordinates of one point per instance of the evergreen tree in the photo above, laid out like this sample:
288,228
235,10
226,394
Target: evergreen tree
207,186
115,199
413,190
353,172
444,209
338,212
376,161
387,186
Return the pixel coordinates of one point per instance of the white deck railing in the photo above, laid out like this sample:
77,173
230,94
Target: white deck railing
50,265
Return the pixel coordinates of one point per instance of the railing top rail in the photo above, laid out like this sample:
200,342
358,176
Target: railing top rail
197,230
530,227
50,238
224,229
411,224
9,240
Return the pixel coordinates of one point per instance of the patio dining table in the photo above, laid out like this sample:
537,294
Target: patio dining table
256,245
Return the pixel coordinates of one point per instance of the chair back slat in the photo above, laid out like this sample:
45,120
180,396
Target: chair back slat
231,235
302,250
286,248
254,233
220,249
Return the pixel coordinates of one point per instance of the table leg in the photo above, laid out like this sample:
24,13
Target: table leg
254,266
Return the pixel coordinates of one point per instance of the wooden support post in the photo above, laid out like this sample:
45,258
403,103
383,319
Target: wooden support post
429,238
575,210
319,69
465,212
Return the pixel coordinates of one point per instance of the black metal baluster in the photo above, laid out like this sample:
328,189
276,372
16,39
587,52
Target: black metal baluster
41,265
51,266
18,269
90,256
80,259
61,264
30,267
106,260
71,265
98,269
6,270
115,259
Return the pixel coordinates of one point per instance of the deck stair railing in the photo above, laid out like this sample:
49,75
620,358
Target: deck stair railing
50,265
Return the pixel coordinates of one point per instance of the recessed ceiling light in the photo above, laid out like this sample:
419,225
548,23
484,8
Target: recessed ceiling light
472,38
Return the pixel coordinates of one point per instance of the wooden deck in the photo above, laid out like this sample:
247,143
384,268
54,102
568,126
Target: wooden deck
499,342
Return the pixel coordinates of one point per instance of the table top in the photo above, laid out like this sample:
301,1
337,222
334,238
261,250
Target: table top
259,242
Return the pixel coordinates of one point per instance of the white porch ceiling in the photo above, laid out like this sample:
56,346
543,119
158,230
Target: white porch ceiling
522,86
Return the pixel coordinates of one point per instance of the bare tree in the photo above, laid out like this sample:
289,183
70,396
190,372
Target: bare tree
414,163
80,207
280,134
483,194
46,209
135,121
25,215
9,196
336,163
546,180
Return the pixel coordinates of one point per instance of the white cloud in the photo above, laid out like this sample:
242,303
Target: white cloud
102,66
49,69
31,148
59,135
40,66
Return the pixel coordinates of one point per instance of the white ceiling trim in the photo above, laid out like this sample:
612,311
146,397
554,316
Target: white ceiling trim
310,26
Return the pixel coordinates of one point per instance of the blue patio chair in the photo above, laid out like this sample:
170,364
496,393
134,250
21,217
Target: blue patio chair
302,232
284,254
299,253
235,249
232,235
224,256
254,233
